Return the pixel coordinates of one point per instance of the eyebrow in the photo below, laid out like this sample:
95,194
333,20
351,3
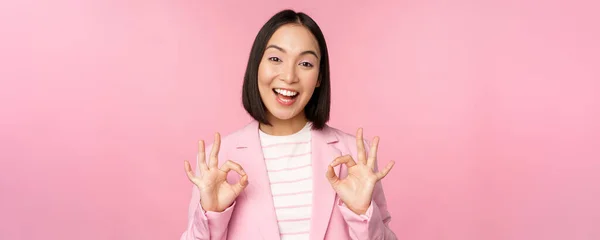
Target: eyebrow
305,52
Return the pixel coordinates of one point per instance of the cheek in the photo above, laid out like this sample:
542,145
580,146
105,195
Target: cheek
262,76
265,78
310,79
266,74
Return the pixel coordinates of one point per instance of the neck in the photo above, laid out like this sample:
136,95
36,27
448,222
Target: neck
281,127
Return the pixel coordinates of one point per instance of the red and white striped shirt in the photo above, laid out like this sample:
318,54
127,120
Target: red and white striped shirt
288,161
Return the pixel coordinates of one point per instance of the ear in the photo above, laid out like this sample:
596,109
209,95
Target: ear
318,83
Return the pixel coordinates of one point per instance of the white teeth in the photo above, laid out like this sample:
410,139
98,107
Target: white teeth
286,92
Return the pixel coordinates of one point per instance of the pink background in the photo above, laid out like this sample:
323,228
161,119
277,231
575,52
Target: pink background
491,110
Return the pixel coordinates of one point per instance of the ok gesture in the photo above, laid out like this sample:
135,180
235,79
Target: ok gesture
216,194
356,190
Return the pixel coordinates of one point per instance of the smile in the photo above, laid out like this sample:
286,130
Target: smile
285,97
284,92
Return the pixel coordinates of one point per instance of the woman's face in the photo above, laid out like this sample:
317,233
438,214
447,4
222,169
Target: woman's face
288,72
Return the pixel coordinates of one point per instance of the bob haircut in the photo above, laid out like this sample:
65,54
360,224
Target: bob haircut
317,108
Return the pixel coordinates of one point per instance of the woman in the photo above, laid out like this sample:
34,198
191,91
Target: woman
287,159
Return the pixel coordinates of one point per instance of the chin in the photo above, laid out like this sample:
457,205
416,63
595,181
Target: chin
285,114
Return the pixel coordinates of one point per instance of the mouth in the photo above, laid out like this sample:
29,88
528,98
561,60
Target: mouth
286,97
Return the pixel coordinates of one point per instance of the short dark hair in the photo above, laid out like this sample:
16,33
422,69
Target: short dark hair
317,108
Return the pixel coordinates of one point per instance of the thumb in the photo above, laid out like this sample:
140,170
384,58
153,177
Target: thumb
188,171
330,174
240,185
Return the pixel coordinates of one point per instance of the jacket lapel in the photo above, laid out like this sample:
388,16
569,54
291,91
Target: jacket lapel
323,153
258,192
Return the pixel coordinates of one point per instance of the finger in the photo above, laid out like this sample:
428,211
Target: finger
188,170
243,182
347,159
361,146
202,157
381,174
231,165
373,153
240,185
214,153
331,177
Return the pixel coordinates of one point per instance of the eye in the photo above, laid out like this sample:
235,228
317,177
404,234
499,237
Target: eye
274,59
306,64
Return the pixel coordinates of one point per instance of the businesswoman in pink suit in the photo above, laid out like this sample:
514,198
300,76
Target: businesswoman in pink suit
294,177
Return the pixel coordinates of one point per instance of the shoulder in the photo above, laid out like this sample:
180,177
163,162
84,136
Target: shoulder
346,140
342,136
230,140
237,134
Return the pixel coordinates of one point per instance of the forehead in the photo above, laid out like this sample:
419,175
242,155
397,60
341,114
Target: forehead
294,38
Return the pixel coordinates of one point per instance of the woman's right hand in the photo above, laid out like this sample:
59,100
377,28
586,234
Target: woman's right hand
216,194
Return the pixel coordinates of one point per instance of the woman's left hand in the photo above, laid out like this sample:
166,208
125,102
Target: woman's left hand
356,190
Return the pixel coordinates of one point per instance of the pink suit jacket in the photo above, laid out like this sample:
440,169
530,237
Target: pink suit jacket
252,215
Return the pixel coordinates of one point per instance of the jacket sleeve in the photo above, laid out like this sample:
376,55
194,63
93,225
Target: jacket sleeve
203,225
374,224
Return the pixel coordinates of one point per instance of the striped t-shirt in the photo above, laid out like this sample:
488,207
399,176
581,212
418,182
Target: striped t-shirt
288,161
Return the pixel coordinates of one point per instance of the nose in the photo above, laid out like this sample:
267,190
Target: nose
288,73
